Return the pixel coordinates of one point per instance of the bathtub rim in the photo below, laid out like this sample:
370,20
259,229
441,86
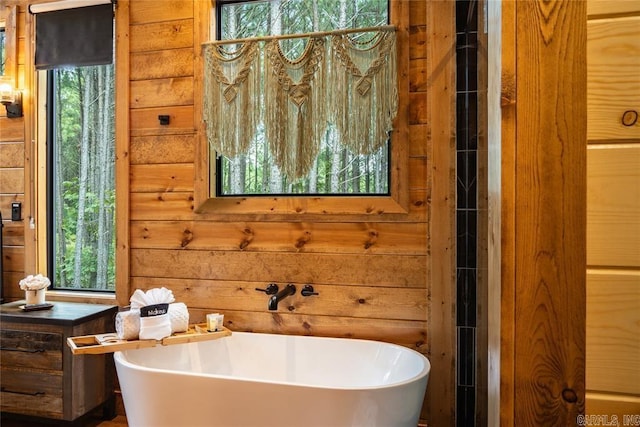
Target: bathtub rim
120,357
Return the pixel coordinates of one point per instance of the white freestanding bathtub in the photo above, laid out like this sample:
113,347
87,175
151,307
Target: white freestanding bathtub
251,379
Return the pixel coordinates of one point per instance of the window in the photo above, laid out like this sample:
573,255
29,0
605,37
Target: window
76,135
3,42
336,170
81,182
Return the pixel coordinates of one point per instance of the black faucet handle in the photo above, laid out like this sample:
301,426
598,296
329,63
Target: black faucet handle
307,291
272,289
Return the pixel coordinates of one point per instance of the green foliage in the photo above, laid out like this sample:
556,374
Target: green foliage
3,50
83,178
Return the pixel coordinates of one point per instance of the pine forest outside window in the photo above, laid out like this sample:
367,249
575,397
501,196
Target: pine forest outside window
336,170
81,187
3,55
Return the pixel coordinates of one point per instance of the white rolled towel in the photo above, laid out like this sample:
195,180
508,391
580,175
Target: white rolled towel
151,297
179,316
128,322
154,312
154,322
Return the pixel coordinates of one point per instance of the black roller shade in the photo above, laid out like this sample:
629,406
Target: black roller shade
74,37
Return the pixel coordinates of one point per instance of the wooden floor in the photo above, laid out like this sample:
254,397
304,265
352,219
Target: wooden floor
9,421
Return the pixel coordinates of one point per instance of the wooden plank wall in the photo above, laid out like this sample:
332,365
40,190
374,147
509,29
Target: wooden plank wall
12,161
499,65
537,211
372,272
371,276
613,208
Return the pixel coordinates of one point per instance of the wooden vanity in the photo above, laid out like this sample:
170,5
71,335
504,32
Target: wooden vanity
39,375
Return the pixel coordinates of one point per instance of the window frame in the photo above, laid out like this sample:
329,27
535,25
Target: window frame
47,92
217,160
280,207
36,168
8,24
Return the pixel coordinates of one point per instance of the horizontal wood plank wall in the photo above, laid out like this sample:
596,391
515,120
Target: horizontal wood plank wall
613,208
371,272
12,165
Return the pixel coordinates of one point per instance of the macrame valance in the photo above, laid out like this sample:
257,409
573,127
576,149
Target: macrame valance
232,107
337,80
366,93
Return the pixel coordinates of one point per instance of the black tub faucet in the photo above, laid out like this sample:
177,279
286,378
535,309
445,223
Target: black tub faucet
290,289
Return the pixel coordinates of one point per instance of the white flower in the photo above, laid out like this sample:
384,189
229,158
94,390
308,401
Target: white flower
34,283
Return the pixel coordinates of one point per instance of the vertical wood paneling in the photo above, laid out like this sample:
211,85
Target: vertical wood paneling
123,203
507,265
482,232
537,192
441,264
550,206
202,168
500,130
29,208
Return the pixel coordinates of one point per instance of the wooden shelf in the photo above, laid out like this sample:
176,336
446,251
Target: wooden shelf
109,343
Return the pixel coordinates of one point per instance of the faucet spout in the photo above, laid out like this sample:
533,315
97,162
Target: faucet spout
290,289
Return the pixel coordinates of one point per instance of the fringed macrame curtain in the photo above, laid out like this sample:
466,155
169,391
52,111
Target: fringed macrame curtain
337,79
295,99
232,107
365,90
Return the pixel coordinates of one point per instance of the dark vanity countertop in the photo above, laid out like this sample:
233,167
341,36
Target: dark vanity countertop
62,313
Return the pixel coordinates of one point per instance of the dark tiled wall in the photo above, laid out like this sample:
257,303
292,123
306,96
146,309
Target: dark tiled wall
466,208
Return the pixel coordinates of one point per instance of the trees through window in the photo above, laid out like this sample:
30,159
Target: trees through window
336,170
81,182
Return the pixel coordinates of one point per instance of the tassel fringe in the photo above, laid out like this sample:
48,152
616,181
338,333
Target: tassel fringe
335,80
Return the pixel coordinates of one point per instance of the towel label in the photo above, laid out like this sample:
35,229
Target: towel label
154,310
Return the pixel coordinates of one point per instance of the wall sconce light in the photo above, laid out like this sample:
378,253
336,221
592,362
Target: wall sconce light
11,99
